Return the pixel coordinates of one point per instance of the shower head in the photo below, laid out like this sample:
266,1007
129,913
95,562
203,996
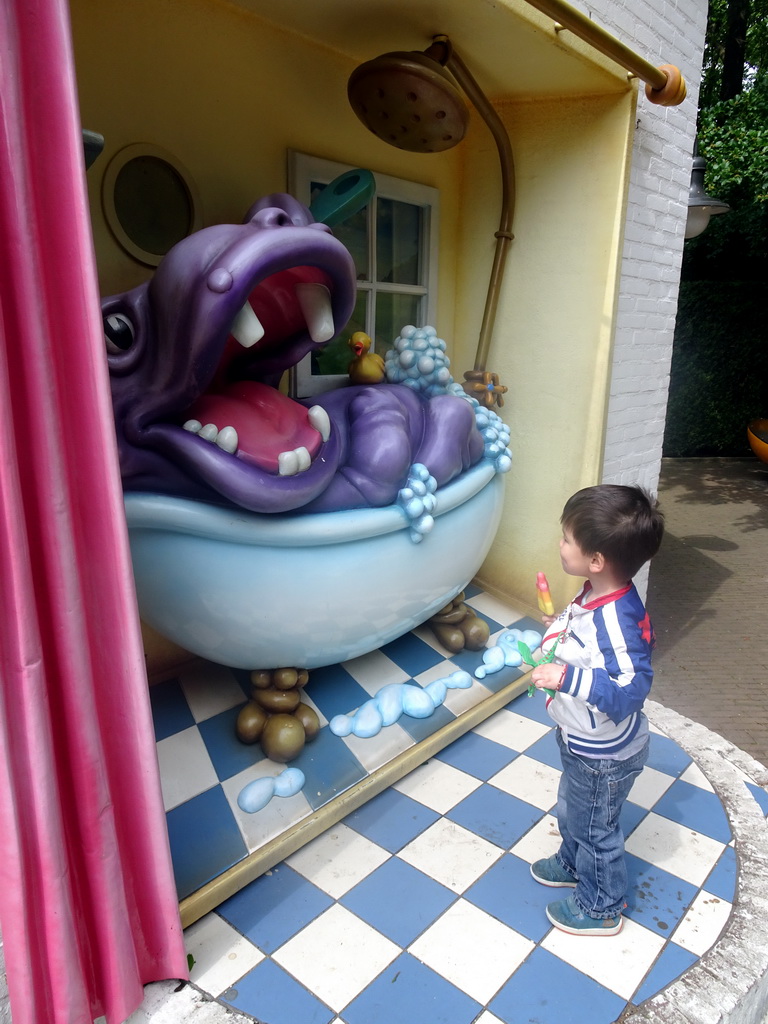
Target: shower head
409,101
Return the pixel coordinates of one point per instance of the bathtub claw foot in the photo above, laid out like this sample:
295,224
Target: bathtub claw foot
458,627
276,715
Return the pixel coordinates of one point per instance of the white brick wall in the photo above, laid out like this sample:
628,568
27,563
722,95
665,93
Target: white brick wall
663,33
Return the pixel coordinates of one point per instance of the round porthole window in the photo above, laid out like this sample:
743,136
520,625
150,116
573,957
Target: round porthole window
149,202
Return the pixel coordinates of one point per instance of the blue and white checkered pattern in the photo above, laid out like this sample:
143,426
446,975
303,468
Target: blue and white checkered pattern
420,905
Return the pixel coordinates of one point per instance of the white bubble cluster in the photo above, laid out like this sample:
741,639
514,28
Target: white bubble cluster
418,360
417,499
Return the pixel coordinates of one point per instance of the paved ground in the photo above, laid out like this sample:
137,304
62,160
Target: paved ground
707,597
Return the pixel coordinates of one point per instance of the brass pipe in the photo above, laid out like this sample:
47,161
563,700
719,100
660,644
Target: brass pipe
664,84
443,51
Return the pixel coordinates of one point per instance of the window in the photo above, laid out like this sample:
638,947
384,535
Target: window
393,241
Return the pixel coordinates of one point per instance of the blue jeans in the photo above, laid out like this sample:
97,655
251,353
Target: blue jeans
589,801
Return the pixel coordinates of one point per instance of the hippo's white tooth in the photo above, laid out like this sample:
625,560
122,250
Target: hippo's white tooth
287,463
319,419
227,440
193,426
246,327
303,458
209,432
315,303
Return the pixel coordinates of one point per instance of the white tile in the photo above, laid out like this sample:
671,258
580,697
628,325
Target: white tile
674,847
338,859
451,854
456,947
336,956
541,841
186,769
703,923
488,1018
496,609
512,730
273,819
618,962
529,780
648,787
437,785
210,689
374,670
222,955
696,777
378,750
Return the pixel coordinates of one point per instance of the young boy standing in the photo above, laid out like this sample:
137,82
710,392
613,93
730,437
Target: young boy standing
601,672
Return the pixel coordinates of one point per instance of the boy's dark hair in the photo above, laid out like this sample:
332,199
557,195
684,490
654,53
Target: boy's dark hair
624,524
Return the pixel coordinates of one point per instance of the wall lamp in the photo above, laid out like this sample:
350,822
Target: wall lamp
700,206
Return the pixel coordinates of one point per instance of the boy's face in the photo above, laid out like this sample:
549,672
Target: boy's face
574,561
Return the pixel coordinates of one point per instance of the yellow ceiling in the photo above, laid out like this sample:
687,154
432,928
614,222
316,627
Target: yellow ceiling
510,48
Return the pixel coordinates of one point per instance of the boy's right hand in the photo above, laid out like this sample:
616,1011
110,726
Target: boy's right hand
548,619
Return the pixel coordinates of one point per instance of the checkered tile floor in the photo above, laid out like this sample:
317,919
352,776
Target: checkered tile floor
419,906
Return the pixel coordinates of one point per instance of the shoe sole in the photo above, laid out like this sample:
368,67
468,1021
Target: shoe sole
552,885
604,930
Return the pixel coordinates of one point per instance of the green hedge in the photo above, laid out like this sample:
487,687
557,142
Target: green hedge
719,373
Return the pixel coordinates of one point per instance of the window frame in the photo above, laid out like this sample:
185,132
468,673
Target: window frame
303,169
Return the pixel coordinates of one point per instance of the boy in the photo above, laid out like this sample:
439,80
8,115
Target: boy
601,673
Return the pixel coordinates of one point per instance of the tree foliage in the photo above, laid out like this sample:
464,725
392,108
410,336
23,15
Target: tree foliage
719,374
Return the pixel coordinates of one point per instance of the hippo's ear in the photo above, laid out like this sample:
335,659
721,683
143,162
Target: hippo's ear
124,332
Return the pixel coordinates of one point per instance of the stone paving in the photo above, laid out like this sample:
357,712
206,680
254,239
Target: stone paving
707,597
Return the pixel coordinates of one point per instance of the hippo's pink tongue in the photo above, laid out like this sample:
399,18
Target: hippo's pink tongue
267,422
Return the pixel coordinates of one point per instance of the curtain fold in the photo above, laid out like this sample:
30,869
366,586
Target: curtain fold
88,906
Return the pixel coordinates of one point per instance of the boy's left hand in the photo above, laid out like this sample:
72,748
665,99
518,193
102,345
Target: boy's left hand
547,677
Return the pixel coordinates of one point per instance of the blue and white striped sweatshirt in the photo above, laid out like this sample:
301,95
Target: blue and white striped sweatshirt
606,646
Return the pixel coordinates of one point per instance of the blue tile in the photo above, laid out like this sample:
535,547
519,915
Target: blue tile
274,907
722,878
630,817
468,660
695,808
472,590
477,756
391,820
670,964
204,839
399,901
329,768
409,992
528,623
271,995
666,756
170,711
760,795
656,898
533,707
546,750
228,754
496,681
500,818
334,691
508,892
412,654
548,991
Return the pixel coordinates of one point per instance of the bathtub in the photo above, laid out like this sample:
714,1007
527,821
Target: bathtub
260,591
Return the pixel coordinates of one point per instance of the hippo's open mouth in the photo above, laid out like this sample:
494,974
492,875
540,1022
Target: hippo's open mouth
246,417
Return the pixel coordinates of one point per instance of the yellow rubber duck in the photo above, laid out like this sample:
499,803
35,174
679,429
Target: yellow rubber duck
367,367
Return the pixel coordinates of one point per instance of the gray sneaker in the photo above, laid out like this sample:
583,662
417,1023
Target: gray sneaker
548,872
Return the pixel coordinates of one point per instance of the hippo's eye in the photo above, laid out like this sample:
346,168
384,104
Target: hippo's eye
118,333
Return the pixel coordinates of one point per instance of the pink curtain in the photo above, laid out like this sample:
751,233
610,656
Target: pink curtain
88,908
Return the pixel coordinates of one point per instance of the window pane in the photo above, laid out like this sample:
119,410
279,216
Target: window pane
398,242
353,233
392,313
337,355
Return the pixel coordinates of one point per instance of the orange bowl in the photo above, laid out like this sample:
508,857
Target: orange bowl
757,435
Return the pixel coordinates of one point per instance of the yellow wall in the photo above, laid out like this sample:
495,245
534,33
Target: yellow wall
227,94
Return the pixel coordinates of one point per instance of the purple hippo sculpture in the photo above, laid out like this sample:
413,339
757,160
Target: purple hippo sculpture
196,355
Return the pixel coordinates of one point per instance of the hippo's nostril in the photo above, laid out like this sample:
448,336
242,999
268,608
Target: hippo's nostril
272,217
